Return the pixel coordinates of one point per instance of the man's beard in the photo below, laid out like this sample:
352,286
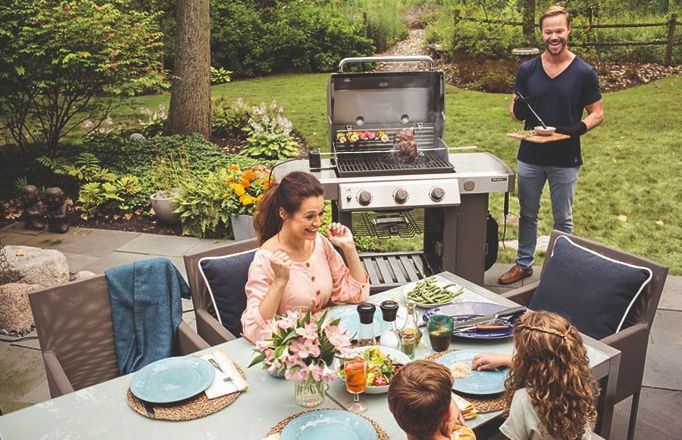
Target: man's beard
554,49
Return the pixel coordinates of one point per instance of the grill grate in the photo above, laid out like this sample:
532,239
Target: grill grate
386,224
350,165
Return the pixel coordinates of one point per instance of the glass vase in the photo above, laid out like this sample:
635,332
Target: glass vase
309,392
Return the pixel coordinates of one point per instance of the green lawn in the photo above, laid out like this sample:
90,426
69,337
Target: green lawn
629,193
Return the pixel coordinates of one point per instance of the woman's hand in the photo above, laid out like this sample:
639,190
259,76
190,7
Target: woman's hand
490,361
340,235
281,264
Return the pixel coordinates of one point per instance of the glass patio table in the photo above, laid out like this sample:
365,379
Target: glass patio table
604,361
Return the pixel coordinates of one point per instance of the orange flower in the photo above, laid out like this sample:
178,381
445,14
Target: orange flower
249,175
245,183
233,168
238,189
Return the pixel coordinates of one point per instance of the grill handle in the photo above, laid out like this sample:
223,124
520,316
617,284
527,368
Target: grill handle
416,59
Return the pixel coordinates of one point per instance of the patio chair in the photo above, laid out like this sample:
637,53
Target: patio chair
216,280
76,334
608,294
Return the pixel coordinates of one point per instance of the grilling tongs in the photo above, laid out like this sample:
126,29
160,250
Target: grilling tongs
506,312
531,109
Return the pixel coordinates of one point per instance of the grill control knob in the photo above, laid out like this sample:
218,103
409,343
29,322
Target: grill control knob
437,193
400,195
364,198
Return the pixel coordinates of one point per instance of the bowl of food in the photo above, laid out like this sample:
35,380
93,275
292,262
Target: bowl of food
382,364
544,131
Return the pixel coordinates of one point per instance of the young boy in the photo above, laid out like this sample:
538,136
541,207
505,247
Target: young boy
420,399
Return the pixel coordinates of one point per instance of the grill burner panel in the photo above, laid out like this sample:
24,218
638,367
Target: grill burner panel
383,164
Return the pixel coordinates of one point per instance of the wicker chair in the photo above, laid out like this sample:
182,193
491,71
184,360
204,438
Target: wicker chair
632,339
210,325
76,334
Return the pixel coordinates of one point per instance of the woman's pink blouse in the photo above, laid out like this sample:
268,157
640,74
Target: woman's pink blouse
324,277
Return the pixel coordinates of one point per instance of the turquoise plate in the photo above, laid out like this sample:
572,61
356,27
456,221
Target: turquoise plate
351,319
172,379
477,382
329,424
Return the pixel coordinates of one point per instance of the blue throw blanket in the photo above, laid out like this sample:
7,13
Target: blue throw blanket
146,310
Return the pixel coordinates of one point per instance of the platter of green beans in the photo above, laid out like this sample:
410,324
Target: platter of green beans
429,293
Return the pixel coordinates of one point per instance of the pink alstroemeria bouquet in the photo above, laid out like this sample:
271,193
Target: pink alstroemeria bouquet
303,345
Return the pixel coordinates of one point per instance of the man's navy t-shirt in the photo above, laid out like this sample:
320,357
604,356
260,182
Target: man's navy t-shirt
559,102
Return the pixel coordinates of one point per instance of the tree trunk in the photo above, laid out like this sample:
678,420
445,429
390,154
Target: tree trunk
528,15
190,104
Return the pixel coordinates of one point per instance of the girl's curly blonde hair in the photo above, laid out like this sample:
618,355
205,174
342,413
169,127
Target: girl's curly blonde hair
551,364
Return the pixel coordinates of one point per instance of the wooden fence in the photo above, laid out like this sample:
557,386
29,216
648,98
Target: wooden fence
668,43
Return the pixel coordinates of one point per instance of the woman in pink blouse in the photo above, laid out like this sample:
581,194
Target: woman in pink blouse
295,264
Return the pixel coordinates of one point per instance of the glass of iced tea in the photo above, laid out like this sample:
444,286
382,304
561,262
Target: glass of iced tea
355,371
440,332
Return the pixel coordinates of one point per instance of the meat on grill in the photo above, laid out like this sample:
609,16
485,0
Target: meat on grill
405,146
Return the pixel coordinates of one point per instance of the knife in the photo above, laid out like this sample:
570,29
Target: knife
506,312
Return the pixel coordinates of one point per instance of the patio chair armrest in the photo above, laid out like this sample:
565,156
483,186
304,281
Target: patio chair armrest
57,380
210,329
523,294
188,340
624,337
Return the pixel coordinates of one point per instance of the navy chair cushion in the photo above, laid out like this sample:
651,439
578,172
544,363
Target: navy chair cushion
594,292
226,277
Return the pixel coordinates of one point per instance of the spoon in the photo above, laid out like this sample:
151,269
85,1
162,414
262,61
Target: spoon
531,109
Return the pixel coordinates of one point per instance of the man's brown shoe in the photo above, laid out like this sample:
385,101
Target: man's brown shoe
515,274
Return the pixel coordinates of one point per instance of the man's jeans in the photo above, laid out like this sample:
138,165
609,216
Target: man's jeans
531,181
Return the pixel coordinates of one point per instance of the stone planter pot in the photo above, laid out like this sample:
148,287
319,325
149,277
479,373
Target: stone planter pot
242,227
162,203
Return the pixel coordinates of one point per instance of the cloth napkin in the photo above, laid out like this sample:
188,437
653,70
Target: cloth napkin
467,409
219,387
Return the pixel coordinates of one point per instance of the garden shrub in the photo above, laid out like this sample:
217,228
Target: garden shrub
250,40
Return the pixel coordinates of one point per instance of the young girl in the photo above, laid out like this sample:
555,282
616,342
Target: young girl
549,391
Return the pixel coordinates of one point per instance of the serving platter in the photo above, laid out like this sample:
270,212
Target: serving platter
463,311
330,424
409,287
477,383
531,136
172,379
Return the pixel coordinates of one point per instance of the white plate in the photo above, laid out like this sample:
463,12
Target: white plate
408,287
396,355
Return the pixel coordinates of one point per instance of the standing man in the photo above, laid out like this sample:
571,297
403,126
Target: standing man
559,86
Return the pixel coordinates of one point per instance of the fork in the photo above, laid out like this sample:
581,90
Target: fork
217,367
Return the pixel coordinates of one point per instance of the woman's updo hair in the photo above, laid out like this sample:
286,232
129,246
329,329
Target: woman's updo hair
288,194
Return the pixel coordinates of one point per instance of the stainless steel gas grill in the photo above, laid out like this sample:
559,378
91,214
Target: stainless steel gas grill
389,173
372,116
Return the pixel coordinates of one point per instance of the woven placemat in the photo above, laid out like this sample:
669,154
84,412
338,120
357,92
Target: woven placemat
192,408
279,427
482,405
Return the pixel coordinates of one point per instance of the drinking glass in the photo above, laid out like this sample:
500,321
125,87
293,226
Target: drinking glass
440,332
356,383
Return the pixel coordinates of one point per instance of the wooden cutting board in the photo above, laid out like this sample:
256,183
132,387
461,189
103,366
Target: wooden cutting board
530,136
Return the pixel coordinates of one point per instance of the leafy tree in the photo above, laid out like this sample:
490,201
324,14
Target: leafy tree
62,62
